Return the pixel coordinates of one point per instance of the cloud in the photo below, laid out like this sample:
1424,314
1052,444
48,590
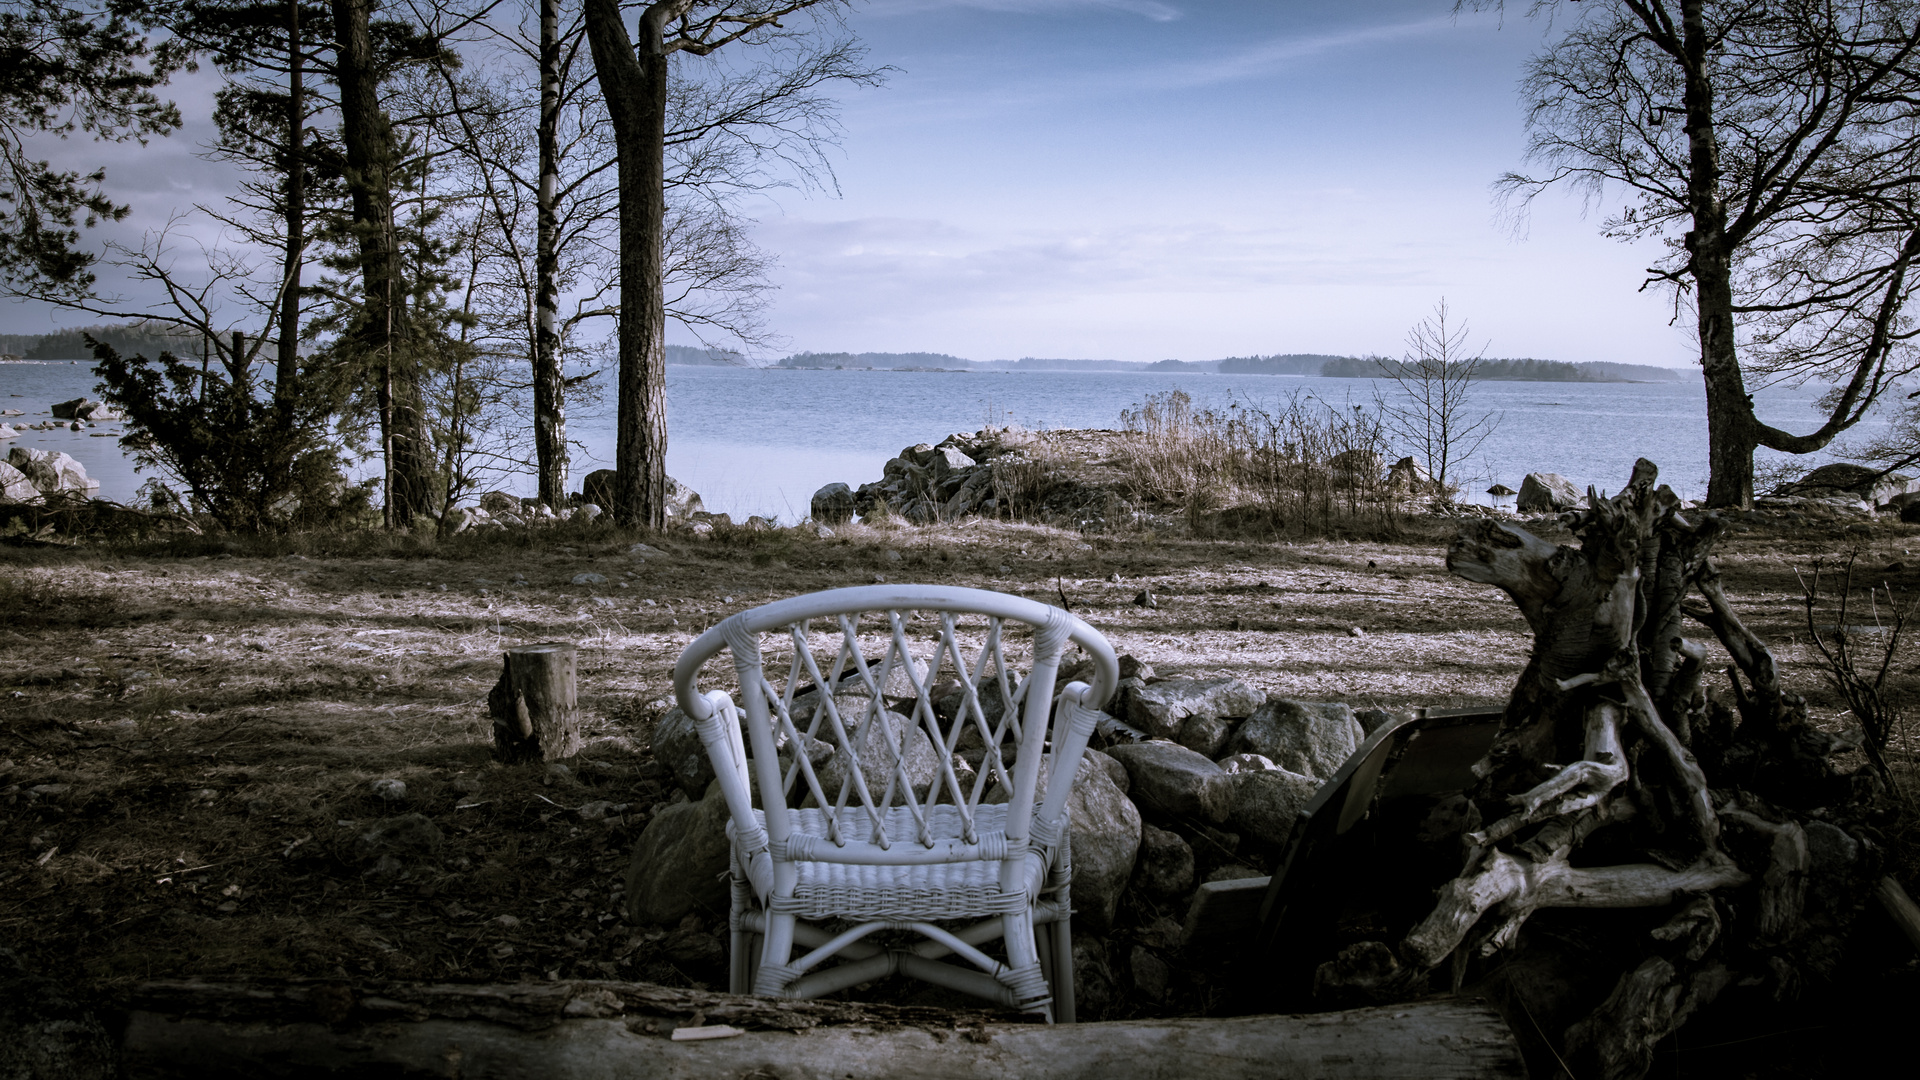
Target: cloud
1147,9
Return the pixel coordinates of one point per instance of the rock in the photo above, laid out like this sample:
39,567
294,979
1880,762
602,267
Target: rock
1205,735
1547,493
499,504
1233,764
1106,842
7,432
1310,738
599,486
1145,598
389,790
677,746
1265,802
587,512
1501,491
589,579
70,410
1092,977
1171,780
1409,475
1910,513
1161,708
1151,976
1165,868
833,504
921,764
1372,720
408,834
679,864
51,471
15,487
823,532
1116,772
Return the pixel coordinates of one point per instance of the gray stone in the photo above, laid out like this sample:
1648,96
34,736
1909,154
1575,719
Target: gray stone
1145,598
680,863
1160,708
1357,463
1245,763
1106,841
1266,802
1830,849
499,503
1171,780
1165,867
1372,720
920,761
1205,735
1310,738
15,487
1092,977
52,471
1409,475
677,746
1151,976
589,579
833,504
1547,493
587,512
389,789
1116,772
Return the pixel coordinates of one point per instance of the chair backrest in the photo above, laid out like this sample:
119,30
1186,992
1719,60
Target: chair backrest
888,694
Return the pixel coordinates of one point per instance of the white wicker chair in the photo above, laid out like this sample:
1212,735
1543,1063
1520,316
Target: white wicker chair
824,866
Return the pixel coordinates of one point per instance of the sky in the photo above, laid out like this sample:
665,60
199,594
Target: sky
1143,180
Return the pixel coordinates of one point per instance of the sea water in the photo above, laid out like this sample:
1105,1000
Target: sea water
761,441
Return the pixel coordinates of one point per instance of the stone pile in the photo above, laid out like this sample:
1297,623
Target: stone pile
923,484
1210,792
500,510
30,476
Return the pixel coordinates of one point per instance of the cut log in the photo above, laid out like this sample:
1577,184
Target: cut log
536,713
590,1031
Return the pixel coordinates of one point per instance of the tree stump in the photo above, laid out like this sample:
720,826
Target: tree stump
1618,782
536,713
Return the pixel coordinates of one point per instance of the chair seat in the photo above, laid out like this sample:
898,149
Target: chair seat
931,892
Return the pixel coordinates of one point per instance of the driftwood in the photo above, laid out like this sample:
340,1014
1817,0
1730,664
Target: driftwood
588,1030
535,707
1612,743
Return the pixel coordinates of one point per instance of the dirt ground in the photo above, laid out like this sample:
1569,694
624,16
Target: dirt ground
189,731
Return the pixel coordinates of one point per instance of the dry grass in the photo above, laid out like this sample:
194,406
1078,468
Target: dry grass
1301,467
209,717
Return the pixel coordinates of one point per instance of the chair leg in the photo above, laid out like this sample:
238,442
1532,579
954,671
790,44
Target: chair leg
739,939
772,976
1024,978
1063,1009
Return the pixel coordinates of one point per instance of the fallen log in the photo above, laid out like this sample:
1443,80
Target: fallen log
594,1030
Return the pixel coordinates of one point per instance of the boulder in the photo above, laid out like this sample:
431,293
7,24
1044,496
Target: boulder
833,504
1549,493
1092,977
499,504
1170,780
1839,476
51,471
1501,491
1408,474
70,410
1165,868
15,487
680,862
1106,840
1205,735
599,486
1161,708
1357,464
677,747
586,512
7,432
1264,803
921,762
1310,738
1242,763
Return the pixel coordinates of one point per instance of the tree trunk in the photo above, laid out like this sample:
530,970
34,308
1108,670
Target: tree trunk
549,388
634,85
371,156
287,358
536,712
593,1030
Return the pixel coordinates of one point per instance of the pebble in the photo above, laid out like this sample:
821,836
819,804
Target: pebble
589,579
1355,631
1146,599
390,789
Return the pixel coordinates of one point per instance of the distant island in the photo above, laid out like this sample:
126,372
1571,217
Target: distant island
153,338
1290,364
